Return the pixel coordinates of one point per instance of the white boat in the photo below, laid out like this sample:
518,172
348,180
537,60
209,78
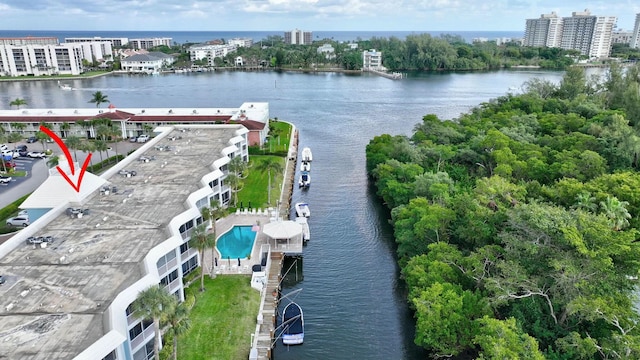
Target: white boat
305,166
64,86
306,234
305,179
302,210
306,155
292,324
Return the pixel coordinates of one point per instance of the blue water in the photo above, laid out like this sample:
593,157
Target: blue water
181,37
236,243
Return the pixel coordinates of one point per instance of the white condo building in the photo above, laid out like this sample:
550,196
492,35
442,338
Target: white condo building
238,42
298,37
210,52
635,36
60,59
70,298
544,31
148,43
115,42
372,59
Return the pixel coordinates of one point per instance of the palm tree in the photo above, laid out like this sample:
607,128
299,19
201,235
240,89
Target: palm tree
202,240
88,147
616,211
585,201
99,98
236,185
210,214
73,142
100,147
42,137
179,323
64,128
18,102
238,166
270,164
154,304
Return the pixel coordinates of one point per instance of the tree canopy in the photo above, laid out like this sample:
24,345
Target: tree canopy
517,223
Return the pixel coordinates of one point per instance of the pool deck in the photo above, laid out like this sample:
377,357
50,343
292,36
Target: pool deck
231,266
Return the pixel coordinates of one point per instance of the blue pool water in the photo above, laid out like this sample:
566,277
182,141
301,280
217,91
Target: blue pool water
236,243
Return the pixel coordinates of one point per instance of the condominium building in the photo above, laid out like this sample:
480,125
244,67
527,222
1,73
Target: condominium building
115,42
70,297
621,37
149,63
545,31
133,122
29,40
59,59
635,36
372,59
591,35
210,52
238,42
149,43
298,37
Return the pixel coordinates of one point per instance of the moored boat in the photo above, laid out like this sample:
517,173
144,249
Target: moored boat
302,209
305,166
306,234
305,179
293,324
306,155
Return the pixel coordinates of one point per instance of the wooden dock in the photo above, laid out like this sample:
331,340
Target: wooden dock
388,75
266,336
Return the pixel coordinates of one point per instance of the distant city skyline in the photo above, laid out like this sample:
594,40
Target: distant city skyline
286,15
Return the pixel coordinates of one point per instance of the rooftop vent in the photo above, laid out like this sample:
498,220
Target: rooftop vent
26,112
170,111
49,112
195,111
75,111
142,111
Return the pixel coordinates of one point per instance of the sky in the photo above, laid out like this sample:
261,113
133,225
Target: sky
308,15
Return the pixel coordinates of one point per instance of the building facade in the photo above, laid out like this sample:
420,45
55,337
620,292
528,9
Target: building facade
591,35
148,43
238,42
635,36
210,52
37,60
298,37
80,298
29,40
372,59
115,42
621,37
150,63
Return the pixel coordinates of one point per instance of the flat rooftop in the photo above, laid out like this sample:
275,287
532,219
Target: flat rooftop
54,298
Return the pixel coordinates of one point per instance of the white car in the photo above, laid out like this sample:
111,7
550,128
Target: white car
5,179
18,221
142,138
36,154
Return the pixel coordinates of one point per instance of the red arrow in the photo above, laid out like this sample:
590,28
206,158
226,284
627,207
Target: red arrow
65,149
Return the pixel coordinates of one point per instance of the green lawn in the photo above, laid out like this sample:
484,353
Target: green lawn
222,319
256,184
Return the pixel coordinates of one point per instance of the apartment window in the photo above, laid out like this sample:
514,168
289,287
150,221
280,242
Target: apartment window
184,247
169,278
214,183
139,328
189,265
146,353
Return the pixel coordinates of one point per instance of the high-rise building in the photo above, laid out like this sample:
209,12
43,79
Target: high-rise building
545,31
635,37
298,37
590,34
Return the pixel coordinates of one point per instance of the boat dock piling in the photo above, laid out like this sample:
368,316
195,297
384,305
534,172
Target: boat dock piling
289,174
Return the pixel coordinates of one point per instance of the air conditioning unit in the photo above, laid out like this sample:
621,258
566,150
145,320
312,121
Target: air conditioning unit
195,112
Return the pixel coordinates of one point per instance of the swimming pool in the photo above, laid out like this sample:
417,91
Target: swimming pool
236,243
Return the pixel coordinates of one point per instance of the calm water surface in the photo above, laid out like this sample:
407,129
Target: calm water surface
352,298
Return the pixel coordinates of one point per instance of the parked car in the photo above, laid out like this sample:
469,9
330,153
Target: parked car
36,154
23,153
5,179
133,139
3,147
21,147
18,221
12,153
143,138
32,139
